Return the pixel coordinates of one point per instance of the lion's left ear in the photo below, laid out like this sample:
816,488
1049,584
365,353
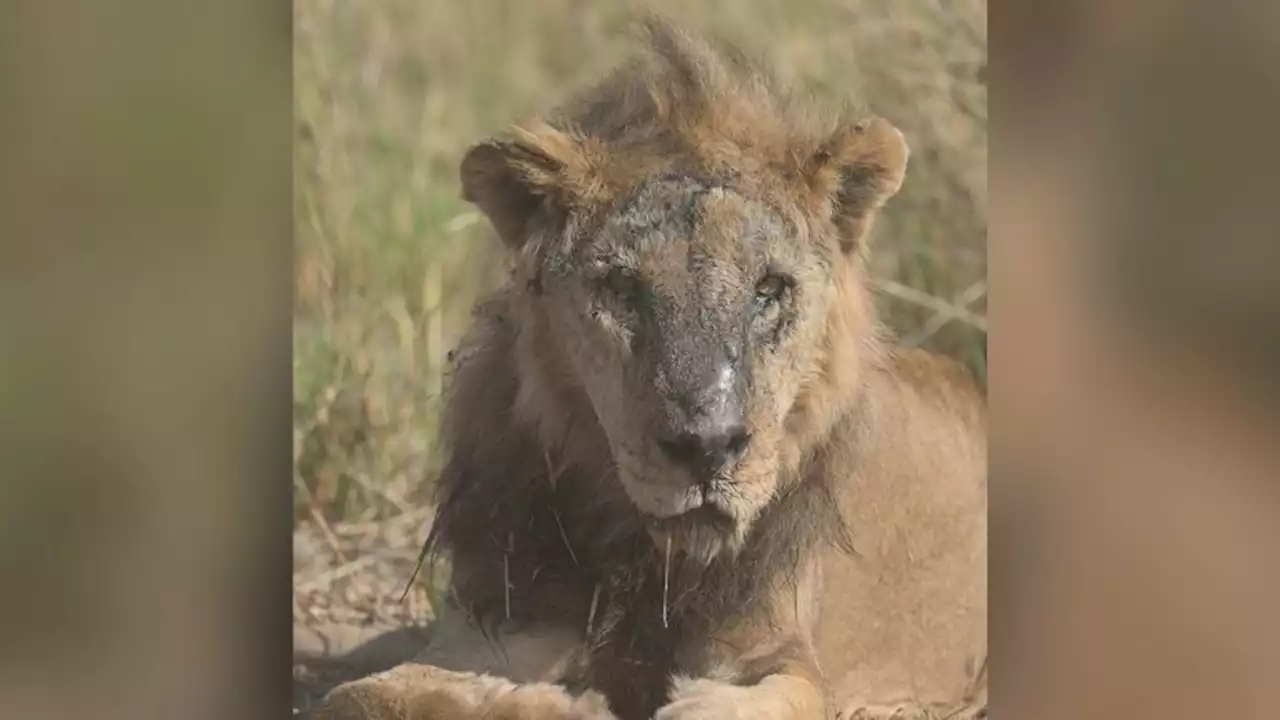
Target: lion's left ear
857,169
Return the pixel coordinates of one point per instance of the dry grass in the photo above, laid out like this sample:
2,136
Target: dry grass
389,259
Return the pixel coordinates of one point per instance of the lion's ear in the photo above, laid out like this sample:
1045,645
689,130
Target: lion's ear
857,169
541,171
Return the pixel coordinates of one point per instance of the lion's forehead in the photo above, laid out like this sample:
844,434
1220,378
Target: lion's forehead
675,223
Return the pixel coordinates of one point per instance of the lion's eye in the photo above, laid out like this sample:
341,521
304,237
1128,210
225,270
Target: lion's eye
769,290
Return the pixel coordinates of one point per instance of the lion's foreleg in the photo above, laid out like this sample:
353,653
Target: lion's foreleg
464,674
423,692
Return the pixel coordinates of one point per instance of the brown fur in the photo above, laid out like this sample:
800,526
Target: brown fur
838,565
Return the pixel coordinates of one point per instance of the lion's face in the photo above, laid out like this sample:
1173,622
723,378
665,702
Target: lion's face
690,315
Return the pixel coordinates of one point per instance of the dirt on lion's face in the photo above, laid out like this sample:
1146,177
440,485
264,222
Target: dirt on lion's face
698,306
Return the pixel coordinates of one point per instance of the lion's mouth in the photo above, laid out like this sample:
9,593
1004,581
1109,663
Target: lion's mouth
702,504
706,516
701,533
695,510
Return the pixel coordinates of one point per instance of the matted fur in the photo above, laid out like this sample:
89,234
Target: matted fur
536,526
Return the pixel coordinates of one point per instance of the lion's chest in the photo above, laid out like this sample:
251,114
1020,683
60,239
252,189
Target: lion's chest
632,655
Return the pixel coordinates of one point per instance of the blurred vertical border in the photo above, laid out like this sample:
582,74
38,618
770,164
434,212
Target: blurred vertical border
145,392
1135,492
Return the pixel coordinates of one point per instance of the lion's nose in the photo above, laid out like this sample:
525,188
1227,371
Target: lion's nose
708,447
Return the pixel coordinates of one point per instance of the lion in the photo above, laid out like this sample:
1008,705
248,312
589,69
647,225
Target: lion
689,474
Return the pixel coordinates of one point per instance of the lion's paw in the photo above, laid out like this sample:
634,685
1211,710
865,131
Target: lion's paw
424,692
542,701
708,700
412,692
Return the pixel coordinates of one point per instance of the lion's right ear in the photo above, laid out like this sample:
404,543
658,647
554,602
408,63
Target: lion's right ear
540,172
858,169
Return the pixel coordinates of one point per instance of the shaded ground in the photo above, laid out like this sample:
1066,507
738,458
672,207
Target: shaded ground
348,618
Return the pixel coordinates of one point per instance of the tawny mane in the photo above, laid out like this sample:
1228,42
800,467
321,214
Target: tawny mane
684,104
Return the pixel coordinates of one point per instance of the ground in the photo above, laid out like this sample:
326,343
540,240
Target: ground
348,616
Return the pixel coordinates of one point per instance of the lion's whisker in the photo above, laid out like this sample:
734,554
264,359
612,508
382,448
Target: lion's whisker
591,615
666,580
552,474
564,536
506,572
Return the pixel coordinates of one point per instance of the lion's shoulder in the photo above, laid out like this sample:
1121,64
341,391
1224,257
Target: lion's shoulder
938,382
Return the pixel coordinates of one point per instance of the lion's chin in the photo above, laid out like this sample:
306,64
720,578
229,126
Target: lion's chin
699,523
701,534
